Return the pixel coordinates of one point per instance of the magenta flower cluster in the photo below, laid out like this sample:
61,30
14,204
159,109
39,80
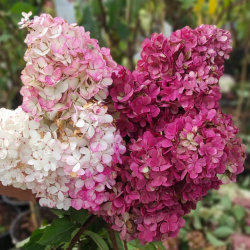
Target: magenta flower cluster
173,76
180,143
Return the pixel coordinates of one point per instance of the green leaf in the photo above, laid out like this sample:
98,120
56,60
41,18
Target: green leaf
60,212
88,244
32,242
226,202
104,233
229,221
184,246
89,22
66,245
97,225
198,207
122,30
97,239
5,37
246,182
182,234
197,222
213,240
133,243
22,243
196,216
150,246
137,244
115,10
79,216
186,4
136,5
130,247
120,244
95,7
247,229
159,245
223,232
60,231
239,212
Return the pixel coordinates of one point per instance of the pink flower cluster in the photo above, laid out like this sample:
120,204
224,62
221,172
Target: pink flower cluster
90,156
180,143
74,145
65,67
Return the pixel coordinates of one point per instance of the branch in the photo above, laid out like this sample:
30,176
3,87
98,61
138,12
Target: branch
104,18
162,16
131,44
129,11
112,237
125,245
35,215
89,221
141,30
79,245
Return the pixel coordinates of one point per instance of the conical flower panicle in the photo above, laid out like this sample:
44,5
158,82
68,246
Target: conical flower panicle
181,144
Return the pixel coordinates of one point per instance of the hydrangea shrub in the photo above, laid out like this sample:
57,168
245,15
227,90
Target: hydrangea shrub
67,141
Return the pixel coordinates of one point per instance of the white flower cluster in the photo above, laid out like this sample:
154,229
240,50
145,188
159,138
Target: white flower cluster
48,157
29,153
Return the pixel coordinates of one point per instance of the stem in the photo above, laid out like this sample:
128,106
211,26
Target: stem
112,237
104,20
130,42
79,245
162,16
35,215
129,10
89,221
125,245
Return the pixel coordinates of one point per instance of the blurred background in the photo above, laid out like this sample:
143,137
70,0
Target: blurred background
222,219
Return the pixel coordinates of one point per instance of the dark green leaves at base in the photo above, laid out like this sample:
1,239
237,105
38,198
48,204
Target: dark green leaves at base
136,244
59,212
78,216
97,239
119,242
31,243
60,231
159,245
